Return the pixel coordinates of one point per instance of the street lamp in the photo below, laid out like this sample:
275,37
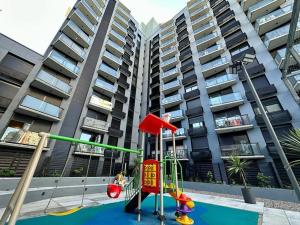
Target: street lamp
249,58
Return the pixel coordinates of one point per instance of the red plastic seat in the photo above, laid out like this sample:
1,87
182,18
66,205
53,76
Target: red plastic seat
113,190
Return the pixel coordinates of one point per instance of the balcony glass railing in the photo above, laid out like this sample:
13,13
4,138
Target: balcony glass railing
273,15
166,28
171,99
123,12
167,34
215,63
168,51
179,133
79,31
169,72
223,99
67,41
53,81
164,44
95,124
62,60
170,85
220,80
101,103
206,38
175,114
85,20
181,154
113,57
258,5
115,46
204,27
120,37
118,16
169,61
120,27
210,50
104,85
241,150
199,11
233,121
201,18
294,78
41,106
196,3
91,11
87,149
280,55
109,70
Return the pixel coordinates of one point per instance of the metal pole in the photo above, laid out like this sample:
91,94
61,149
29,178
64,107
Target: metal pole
175,166
32,167
277,144
140,179
161,179
156,158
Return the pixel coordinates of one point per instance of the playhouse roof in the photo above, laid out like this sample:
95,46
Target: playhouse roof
152,124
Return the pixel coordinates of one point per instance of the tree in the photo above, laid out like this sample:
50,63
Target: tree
291,142
237,167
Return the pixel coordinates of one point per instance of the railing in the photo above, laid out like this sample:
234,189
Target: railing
241,150
120,37
109,70
173,98
226,99
53,81
85,20
101,103
206,38
259,5
204,27
41,106
180,154
113,57
95,124
215,63
198,11
179,133
175,114
131,189
105,85
172,84
233,121
220,80
169,61
169,50
86,149
67,41
201,18
78,30
115,46
164,44
295,78
273,15
169,72
63,61
90,9
120,27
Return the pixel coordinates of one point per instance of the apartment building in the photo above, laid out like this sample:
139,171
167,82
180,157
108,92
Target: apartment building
87,85
191,77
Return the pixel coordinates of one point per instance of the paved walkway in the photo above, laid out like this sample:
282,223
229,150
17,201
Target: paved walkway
269,216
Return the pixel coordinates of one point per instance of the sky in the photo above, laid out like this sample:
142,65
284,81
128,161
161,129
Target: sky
34,23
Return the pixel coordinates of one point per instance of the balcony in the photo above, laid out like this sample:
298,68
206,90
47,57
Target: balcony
230,28
94,125
294,79
83,22
114,48
253,71
181,154
121,20
171,86
166,27
244,151
196,5
118,114
273,20
199,155
189,79
215,66
35,107
76,34
232,124
100,105
169,53
171,101
112,60
96,6
46,81
166,65
82,149
197,131
119,96
225,17
235,40
204,30
202,20
105,88
124,12
238,54
280,56
247,3
191,94
108,72
179,134
119,29
207,41
168,44
115,132
278,37
276,118
68,47
167,36
117,38
221,82
62,64
176,115
196,111
211,53
226,101
88,11
199,12
169,75
263,92
221,8
262,8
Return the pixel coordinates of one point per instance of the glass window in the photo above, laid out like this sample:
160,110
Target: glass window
270,105
196,122
191,88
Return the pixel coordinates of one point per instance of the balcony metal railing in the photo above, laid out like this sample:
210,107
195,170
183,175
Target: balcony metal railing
215,63
41,106
210,50
241,150
87,149
71,44
170,85
78,30
171,99
232,97
233,121
53,82
63,61
175,114
179,133
220,80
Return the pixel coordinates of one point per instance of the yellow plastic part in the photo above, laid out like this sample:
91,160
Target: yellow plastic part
190,204
68,212
184,220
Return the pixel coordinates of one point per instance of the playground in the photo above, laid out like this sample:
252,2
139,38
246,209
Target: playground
150,197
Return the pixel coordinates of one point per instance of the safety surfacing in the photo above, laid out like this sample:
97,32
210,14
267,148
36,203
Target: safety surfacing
113,213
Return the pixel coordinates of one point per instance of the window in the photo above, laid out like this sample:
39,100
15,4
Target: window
199,143
271,105
193,103
191,88
196,122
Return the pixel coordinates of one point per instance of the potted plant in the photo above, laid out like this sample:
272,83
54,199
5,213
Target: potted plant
291,143
237,167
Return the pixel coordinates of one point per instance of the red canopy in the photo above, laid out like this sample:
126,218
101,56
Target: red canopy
152,124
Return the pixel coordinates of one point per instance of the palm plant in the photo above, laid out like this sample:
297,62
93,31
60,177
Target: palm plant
292,144
237,167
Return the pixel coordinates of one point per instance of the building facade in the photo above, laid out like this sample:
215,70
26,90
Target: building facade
102,73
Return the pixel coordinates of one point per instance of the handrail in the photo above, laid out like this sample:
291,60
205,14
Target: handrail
131,190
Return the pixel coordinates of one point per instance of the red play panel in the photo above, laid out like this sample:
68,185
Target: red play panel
152,124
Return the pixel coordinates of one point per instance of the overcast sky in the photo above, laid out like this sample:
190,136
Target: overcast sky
35,22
